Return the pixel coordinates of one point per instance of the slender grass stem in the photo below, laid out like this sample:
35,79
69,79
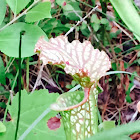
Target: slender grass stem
9,99
27,74
9,62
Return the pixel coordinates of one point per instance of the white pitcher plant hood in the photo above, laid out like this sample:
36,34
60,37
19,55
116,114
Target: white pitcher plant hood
80,60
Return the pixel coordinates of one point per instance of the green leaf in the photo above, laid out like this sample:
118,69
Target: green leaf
118,133
69,8
95,19
104,21
32,105
138,61
55,26
114,66
106,125
84,29
17,5
2,105
114,35
9,39
2,10
96,27
129,15
41,11
2,72
117,50
2,127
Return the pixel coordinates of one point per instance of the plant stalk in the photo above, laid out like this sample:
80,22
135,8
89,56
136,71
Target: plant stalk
27,74
19,86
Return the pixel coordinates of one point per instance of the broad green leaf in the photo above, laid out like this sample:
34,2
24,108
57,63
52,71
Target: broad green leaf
17,5
2,127
129,15
118,133
9,39
41,11
2,10
32,106
2,72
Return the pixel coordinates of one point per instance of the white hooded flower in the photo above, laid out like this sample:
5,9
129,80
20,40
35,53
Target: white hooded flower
79,58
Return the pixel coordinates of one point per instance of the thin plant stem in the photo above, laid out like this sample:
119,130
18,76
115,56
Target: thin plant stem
119,121
38,78
9,99
19,86
125,32
27,74
9,64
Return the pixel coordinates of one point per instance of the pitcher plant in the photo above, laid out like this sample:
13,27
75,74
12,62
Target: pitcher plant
87,65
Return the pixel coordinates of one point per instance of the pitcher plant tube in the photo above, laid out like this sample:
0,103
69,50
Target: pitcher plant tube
87,65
